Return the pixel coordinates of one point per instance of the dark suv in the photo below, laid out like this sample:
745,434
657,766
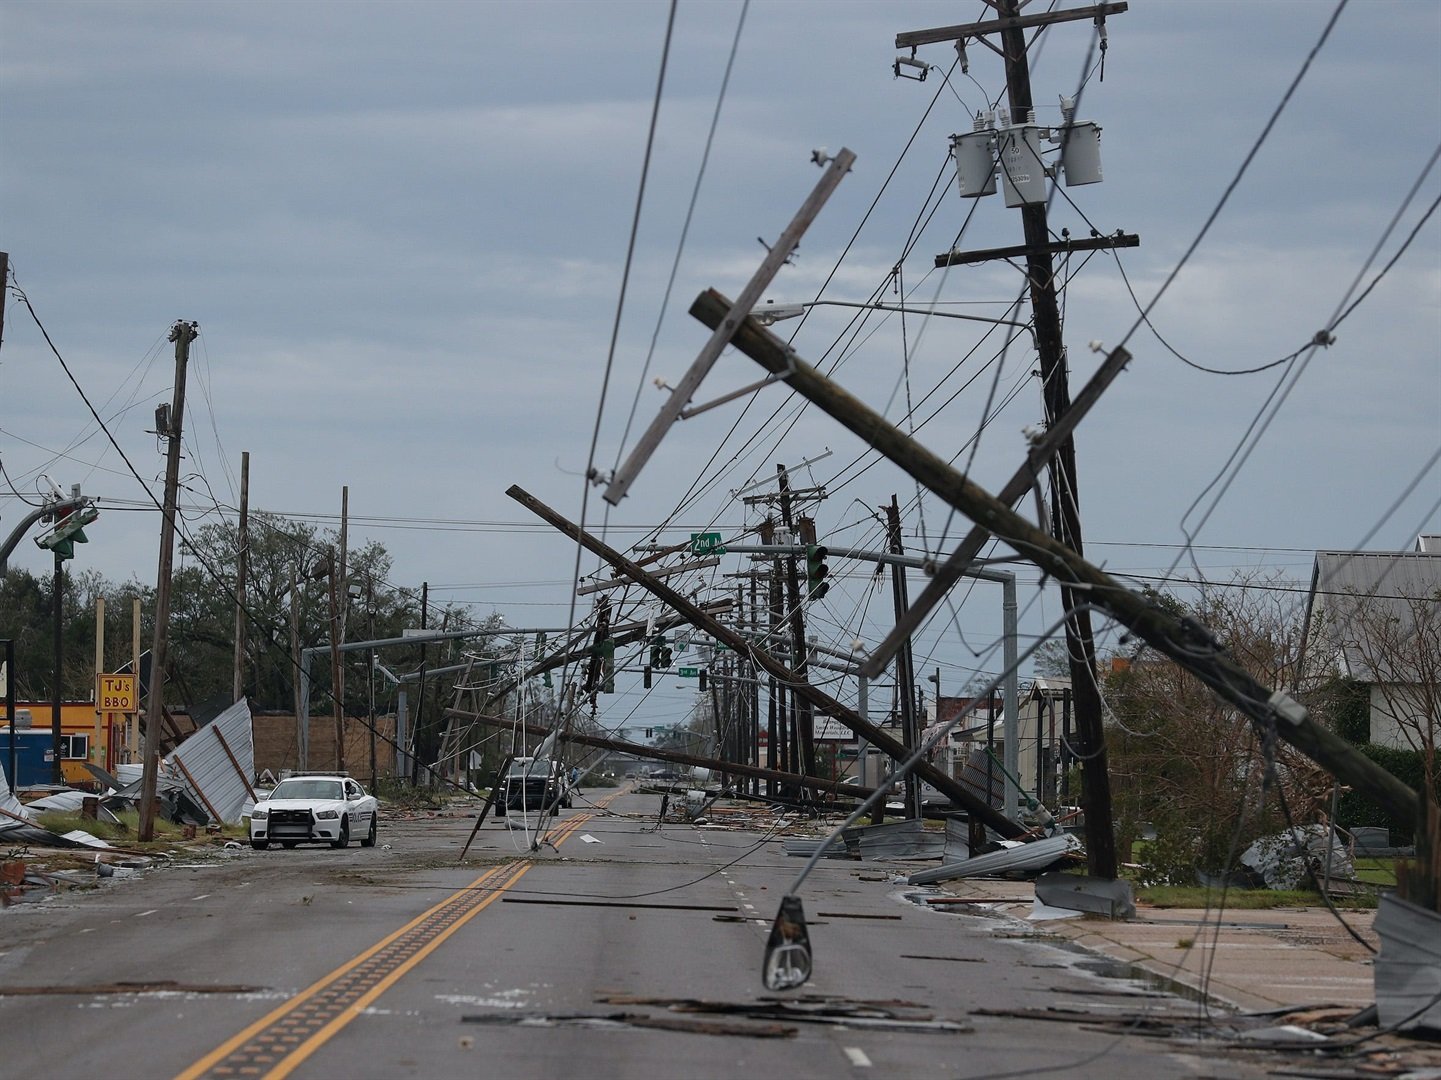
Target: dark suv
532,784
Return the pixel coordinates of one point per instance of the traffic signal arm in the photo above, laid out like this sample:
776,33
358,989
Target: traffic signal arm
68,531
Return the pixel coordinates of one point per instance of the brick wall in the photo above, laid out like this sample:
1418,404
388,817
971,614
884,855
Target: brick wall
276,744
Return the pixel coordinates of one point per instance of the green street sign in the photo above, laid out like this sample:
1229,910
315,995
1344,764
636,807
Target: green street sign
706,544
688,672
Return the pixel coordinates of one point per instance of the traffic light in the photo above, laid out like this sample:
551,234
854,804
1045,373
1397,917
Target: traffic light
701,680
647,676
540,652
69,531
604,651
817,571
661,654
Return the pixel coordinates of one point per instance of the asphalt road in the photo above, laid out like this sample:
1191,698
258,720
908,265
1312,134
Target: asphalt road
398,961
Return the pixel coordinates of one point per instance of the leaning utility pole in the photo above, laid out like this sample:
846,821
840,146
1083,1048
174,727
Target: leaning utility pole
242,564
803,715
905,665
337,688
182,333
57,692
339,602
1019,161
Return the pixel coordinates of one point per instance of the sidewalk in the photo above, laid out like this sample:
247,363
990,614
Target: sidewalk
1258,960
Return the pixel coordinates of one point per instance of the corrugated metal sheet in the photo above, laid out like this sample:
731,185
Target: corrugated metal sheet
1408,969
906,839
210,776
1361,593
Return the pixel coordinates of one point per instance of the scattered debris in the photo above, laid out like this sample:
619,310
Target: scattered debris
152,987
1286,1034
614,904
1286,860
636,1020
807,1008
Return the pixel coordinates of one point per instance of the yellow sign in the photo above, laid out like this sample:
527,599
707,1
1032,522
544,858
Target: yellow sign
115,693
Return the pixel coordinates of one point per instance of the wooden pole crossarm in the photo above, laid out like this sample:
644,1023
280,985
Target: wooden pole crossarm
911,38
1273,710
1058,247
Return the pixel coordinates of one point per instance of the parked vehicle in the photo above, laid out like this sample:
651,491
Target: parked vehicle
321,808
533,784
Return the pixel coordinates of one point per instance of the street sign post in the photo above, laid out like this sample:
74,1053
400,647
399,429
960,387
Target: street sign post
708,543
688,672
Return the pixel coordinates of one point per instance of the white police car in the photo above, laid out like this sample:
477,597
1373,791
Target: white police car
314,808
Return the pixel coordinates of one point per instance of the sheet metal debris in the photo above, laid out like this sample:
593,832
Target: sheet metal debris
907,839
1020,859
216,763
1081,892
1286,859
1408,968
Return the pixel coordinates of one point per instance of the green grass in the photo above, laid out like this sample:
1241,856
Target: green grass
125,834
1197,896
1378,871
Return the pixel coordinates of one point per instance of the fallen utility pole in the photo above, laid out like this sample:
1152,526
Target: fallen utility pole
674,757
776,257
828,705
1188,644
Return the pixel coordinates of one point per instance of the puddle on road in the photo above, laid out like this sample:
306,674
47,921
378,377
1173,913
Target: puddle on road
1104,967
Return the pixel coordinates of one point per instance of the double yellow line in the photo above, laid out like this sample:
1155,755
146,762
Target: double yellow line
277,1043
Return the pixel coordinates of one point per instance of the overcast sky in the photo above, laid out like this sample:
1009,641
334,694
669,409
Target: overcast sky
402,229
